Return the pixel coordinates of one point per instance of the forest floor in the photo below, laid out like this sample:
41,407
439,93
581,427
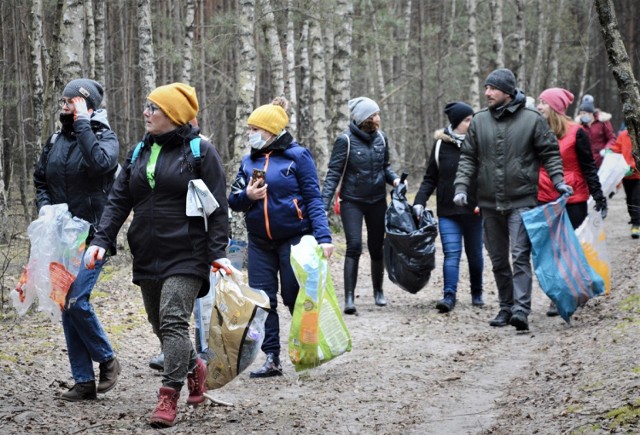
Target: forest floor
411,370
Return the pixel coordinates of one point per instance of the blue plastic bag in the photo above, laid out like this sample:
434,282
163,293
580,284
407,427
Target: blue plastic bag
558,258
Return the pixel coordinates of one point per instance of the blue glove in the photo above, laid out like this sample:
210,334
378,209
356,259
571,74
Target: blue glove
564,189
460,199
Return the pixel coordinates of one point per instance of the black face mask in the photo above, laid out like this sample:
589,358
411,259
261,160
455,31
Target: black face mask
66,119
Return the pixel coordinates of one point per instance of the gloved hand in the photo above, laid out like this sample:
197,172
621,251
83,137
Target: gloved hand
92,254
564,189
418,209
224,264
80,110
601,206
460,199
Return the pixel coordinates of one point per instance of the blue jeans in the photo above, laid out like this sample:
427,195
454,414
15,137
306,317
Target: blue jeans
86,340
453,229
504,233
267,258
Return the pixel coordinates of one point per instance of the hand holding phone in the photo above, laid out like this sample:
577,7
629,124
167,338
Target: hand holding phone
258,176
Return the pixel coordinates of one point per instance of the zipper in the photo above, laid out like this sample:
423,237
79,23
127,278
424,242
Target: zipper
266,197
295,202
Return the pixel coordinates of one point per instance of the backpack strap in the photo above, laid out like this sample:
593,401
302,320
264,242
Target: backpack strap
384,142
136,152
194,144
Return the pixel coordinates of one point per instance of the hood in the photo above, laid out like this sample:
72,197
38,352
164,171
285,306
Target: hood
444,135
518,102
100,116
602,116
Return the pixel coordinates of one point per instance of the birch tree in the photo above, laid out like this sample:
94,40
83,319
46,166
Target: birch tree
318,140
90,39
304,126
146,61
276,62
187,45
520,44
538,64
403,72
290,82
100,43
72,32
496,31
555,48
474,68
37,81
340,85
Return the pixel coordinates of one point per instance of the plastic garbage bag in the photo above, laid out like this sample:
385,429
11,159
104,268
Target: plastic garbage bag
57,245
236,331
558,259
318,333
409,247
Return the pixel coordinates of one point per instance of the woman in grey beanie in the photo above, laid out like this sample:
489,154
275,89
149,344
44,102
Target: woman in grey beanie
359,170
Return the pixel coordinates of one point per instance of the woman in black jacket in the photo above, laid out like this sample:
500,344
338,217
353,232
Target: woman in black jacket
77,167
172,252
455,222
362,155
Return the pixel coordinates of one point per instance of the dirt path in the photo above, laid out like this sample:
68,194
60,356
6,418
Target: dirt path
411,370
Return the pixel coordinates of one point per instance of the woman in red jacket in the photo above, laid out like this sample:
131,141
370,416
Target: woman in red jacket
577,161
631,182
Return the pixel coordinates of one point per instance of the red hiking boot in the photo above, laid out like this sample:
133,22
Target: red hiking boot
195,381
167,408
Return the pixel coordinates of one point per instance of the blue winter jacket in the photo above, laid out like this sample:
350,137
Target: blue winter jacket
293,205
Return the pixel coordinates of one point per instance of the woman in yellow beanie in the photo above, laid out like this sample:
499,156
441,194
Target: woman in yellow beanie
172,252
278,190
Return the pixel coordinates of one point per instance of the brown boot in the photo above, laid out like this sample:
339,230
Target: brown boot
109,372
167,408
81,391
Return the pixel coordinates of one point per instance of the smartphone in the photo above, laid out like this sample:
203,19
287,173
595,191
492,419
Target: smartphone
258,174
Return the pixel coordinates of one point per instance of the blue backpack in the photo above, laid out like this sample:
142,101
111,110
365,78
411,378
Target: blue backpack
193,143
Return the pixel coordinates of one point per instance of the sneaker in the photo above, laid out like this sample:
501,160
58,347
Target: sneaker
196,383
167,408
270,368
157,362
502,319
81,391
447,303
635,231
553,310
109,372
519,321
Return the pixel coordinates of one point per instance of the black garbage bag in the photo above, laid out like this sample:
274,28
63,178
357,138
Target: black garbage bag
409,246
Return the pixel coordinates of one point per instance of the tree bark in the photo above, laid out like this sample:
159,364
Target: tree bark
340,86
538,64
474,69
90,46
100,44
187,51
304,125
290,83
37,67
520,43
496,31
276,61
318,140
72,32
621,68
146,62
555,49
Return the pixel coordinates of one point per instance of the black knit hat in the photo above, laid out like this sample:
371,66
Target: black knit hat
502,79
89,89
457,112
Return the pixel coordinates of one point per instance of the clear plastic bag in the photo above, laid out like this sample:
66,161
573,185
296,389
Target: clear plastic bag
57,245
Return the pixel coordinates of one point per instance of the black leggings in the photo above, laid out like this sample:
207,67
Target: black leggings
352,214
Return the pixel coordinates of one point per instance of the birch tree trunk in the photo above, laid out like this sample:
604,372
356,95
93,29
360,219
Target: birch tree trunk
621,68
304,125
538,64
37,67
555,48
340,85
187,46
246,88
585,66
474,69
290,83
100,44
276,61
318,140
496,31
146,62
520,43
400,136
90,48
72,32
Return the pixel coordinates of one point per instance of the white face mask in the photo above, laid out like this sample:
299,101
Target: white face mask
256,141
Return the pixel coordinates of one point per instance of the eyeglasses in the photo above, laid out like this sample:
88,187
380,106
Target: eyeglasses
151,108
65,102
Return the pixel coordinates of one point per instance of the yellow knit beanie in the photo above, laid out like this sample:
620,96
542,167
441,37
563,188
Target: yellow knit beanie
270,117
178,101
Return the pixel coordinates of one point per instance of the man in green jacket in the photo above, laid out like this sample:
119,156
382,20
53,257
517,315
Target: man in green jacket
503,150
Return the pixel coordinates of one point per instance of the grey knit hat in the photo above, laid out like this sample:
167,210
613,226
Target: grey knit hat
361,108
89,89
503,79
587,104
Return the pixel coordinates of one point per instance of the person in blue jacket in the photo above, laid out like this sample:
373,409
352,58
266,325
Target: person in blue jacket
281,204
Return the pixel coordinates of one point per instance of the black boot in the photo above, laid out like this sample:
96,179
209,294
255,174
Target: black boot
447,303
81,391
377,275
270,368
350,280
109,372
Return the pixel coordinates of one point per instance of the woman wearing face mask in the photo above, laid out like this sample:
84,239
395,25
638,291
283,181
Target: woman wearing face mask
455,222
577,162
277,189
598,126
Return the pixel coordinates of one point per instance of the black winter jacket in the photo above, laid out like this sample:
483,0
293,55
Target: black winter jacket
368,168
441,174
502,151
78,169
165,241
